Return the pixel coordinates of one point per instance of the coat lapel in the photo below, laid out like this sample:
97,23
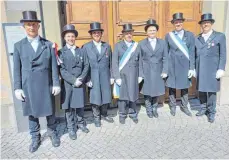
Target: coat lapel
103,50
157,47
40,49
148,45
94,49
29,48
212,36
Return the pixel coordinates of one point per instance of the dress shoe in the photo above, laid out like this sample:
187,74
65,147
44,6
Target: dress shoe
108,119
84,129
34,146
72,135
155,114
211,118
97,123
201,112
186,111
122,120
135,120
55,140
173,111
150,115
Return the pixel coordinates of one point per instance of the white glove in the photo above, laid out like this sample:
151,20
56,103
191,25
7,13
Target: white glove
89,84
19,94
118,81
164,75
191,73
219,74
78,82
55,90
112,81
140,79
194,75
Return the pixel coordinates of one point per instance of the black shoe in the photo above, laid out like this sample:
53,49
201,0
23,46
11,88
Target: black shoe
135,120
72,135
122,120
201,112
84,129
55,140
173,111
155,114
97,123
186,111
34,146
150,115
108,119
211,118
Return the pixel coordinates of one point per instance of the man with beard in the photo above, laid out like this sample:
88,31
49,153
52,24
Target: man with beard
125,70
181,48
210,65
36,79
153,67
99,79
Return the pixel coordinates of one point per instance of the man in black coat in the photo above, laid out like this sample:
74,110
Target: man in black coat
36,79
210,65
74,68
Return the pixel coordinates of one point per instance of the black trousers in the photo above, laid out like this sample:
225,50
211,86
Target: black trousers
172,97
127,107
74,118
99,111
208,102
150,103
34,126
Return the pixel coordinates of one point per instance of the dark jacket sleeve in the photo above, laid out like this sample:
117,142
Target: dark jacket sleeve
55,75
115,63
192,52
222,52
86,66
63,71
17,69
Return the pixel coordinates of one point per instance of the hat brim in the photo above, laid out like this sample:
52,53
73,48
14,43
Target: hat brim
172,21
128,30
155,25
212,20
69,31
29,20
91,30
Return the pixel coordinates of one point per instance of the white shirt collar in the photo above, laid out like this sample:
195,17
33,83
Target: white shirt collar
179,32
152,39
70,47
97,43
127,43
30,39
207,34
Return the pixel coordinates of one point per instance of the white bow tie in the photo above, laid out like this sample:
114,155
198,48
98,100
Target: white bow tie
72,47
152,40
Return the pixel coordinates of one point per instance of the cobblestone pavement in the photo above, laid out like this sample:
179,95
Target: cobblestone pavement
166,137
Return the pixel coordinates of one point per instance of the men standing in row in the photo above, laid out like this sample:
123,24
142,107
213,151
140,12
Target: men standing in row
99,79
35,72
125,66
153,67
74,68
181,63
210,65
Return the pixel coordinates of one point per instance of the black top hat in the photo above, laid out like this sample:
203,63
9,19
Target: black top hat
177,16
95,26
127,28
151,22
69,28
206,17
29,16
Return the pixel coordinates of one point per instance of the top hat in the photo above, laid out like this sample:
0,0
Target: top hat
177,16
206,17
127,28
29,16
95,26
151,22
69,28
